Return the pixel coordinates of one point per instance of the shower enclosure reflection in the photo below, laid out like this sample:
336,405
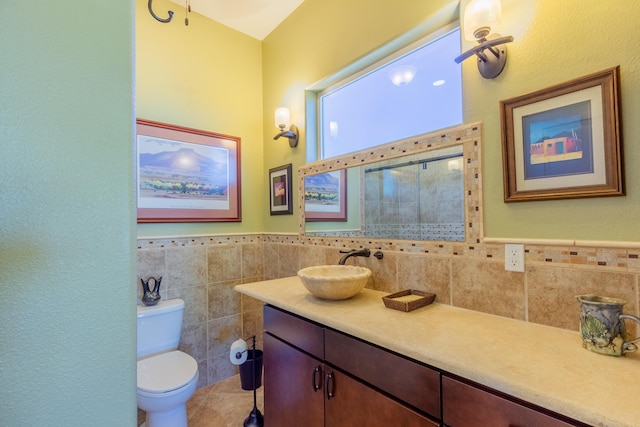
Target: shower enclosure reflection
420,197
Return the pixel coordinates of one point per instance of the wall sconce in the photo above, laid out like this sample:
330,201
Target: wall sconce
479,17
282,121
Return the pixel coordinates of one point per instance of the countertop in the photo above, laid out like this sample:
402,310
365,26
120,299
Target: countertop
539,364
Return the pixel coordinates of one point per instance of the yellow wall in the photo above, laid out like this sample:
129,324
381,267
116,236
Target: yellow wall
555,42
204,76
318,40
211,77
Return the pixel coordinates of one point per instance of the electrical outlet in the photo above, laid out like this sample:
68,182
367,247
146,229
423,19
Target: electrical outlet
514,257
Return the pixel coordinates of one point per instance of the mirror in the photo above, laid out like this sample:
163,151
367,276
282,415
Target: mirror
421,188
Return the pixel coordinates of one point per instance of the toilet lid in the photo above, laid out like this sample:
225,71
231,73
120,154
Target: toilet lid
166,372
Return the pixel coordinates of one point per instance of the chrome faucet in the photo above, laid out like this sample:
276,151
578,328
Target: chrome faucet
355,252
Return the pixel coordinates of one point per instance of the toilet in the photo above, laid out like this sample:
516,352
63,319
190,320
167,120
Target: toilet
167,377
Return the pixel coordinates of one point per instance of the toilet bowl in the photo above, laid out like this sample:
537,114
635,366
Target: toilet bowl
167,377
165,382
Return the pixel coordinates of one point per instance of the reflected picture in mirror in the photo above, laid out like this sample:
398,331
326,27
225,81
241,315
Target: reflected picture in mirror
325,196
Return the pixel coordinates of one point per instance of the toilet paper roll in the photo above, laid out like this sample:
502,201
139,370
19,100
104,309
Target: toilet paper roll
238,352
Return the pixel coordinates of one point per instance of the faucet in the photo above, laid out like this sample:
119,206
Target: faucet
354,252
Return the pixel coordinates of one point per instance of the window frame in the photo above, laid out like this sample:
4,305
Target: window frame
377,59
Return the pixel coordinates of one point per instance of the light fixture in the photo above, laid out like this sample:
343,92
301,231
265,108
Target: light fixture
282,121
479,17
453,165
402,74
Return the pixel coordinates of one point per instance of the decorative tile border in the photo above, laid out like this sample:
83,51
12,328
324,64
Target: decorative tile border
220,239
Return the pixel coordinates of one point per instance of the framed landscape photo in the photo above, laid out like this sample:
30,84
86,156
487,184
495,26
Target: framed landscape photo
186,175
564,141
280,190
325,196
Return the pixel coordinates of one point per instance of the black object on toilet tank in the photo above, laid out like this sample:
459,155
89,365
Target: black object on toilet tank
151,297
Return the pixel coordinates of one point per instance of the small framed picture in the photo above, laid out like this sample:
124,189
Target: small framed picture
564,141
280,190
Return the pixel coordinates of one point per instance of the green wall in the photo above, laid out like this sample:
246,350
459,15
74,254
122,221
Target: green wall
67,266
554,42
204,76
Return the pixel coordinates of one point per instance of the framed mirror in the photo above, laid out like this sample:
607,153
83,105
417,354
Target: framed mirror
425,188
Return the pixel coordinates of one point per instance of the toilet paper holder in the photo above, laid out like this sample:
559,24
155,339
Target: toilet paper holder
238,354
239,350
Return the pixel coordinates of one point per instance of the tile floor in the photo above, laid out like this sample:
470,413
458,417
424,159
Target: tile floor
224,404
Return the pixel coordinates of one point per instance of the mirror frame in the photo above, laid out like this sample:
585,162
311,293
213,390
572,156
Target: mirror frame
467,135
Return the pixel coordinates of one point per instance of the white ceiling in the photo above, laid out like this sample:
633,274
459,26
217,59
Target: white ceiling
256,18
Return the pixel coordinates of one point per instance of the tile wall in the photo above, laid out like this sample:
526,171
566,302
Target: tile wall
203,271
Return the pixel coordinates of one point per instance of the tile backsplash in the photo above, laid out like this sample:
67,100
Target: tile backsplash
203,271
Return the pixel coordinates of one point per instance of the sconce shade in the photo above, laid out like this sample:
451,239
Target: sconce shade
480,19
480,16
282,117
282,121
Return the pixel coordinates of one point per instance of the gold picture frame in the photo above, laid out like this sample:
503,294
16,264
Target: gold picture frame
564,141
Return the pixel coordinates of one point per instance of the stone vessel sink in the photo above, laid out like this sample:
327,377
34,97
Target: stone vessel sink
334,282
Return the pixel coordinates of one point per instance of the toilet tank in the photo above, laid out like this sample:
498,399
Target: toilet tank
159,326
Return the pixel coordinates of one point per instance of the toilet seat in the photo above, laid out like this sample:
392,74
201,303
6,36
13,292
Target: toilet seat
166,372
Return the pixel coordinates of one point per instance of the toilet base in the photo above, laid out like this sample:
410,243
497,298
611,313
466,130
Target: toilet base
177,417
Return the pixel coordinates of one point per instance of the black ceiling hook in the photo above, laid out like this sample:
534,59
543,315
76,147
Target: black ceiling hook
157,17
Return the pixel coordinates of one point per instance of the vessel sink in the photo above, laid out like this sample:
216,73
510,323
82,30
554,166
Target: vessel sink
334,282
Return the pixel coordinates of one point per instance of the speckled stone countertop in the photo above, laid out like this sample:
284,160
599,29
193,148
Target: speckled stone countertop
539,364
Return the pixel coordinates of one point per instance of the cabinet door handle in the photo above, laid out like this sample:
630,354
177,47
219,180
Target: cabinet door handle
329,386
316,378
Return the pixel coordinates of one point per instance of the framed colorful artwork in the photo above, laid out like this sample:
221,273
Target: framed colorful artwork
186,175
280,190
325,196
564,141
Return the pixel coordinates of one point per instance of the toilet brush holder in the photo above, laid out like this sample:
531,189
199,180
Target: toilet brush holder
251,379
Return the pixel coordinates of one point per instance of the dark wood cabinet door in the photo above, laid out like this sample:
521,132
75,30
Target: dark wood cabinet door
354,404
464,405
290,397
404,379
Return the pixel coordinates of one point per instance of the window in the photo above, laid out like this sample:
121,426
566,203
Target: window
411,92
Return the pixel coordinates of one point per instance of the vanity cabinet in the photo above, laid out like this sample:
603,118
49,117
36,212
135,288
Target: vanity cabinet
314,376
470,405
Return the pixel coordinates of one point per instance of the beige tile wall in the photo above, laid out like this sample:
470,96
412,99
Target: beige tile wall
203,271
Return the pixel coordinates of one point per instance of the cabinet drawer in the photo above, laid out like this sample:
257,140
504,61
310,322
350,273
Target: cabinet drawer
469,406
415,384
305,335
